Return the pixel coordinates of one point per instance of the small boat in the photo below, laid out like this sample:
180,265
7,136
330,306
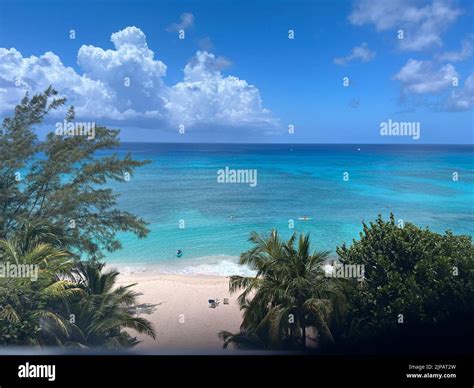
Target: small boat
304,218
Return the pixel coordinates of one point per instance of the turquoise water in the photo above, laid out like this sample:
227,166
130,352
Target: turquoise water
413,182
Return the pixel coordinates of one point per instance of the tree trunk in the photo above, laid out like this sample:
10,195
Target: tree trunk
303,330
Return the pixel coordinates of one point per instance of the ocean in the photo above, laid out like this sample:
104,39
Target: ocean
336,187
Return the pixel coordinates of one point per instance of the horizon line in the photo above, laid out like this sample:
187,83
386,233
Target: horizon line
261,143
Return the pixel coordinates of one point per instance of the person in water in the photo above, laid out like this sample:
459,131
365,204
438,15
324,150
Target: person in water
179,253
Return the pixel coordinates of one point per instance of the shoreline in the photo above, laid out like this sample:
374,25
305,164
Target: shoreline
179,310
213,266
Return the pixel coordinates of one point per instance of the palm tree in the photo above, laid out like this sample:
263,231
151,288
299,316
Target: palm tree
106,310
29,304
288,295
72,303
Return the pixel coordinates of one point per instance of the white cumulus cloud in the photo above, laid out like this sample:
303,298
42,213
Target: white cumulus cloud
422,77
439,84
34,74
207,97
130,71
462,99
361,53
466,51
126,85
186,21
422,21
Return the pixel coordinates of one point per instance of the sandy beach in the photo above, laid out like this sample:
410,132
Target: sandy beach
178,308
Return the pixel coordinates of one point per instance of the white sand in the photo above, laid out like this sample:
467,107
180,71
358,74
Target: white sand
182,317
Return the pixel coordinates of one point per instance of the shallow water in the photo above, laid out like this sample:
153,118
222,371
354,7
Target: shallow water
414,182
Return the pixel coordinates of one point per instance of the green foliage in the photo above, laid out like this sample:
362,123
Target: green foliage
105,309
63,180
289,296
22,299
39,312
426,276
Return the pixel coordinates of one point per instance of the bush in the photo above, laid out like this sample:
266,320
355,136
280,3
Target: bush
418,283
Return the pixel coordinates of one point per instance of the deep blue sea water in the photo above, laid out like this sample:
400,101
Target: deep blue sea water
413,182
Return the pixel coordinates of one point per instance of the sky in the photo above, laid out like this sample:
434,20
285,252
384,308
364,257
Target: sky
237,76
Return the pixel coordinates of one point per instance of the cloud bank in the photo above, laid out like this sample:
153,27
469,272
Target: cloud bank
126,85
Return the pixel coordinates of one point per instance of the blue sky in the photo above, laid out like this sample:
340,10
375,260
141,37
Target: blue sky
248,81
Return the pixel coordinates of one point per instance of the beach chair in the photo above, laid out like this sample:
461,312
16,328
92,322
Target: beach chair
213,303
